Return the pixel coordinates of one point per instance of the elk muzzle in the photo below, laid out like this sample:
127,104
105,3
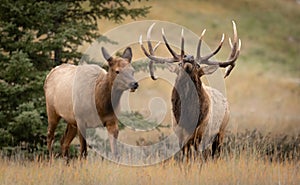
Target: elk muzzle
133,86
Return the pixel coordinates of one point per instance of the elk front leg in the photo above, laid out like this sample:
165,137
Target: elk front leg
113,132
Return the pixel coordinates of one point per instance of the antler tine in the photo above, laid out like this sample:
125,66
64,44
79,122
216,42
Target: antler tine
148,39
151,55
154,58
151,67
232,58
206,58
156,46
235,51
229,69
230,43
142,46
234,31
175,56
182,44
198,56
235,41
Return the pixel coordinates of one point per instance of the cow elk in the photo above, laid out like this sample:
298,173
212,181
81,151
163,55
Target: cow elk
86,96
207,105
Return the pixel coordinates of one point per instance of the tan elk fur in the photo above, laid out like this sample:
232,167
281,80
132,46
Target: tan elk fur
82,96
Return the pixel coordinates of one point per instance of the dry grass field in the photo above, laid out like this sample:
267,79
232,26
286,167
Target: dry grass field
247,158
263,92
243,169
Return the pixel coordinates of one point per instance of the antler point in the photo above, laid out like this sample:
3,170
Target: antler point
149,31
233,22
230,42
141,40
234,32
223,37
163,31
203,32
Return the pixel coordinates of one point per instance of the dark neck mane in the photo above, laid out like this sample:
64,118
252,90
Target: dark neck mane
184,91
203,97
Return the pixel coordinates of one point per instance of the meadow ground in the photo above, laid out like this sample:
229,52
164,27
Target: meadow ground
247,158
232,170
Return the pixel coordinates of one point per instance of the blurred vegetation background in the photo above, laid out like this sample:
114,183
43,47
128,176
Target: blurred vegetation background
263,90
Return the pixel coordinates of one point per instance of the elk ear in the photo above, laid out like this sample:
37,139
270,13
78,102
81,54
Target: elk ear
107,56
207,70
127,54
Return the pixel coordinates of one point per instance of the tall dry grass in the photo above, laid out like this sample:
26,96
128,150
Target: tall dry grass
241,170
247,158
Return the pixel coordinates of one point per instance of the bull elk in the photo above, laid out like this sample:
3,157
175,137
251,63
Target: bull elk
86,96
207,107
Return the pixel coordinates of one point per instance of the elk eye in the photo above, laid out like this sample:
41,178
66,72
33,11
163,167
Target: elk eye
117,72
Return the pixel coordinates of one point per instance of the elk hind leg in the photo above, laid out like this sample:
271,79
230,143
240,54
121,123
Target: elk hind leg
216,146
67,138
186,153
83,144
53,120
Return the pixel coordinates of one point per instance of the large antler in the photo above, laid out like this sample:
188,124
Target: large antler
153,58
235,51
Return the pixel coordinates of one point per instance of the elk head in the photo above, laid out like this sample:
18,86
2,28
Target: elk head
120,70
190,64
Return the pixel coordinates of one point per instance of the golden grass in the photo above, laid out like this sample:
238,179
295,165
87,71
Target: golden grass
247,158
234,170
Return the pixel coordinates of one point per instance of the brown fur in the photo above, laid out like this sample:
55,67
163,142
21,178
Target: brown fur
205,105
197,123
59,103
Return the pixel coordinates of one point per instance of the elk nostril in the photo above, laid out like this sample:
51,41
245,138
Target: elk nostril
134,85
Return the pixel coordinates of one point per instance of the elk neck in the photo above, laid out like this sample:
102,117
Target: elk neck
184,90
204,101
106,98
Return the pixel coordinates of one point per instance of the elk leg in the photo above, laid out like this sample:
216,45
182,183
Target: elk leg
113,132
186,151
83,144
66,140
216,146
53,120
